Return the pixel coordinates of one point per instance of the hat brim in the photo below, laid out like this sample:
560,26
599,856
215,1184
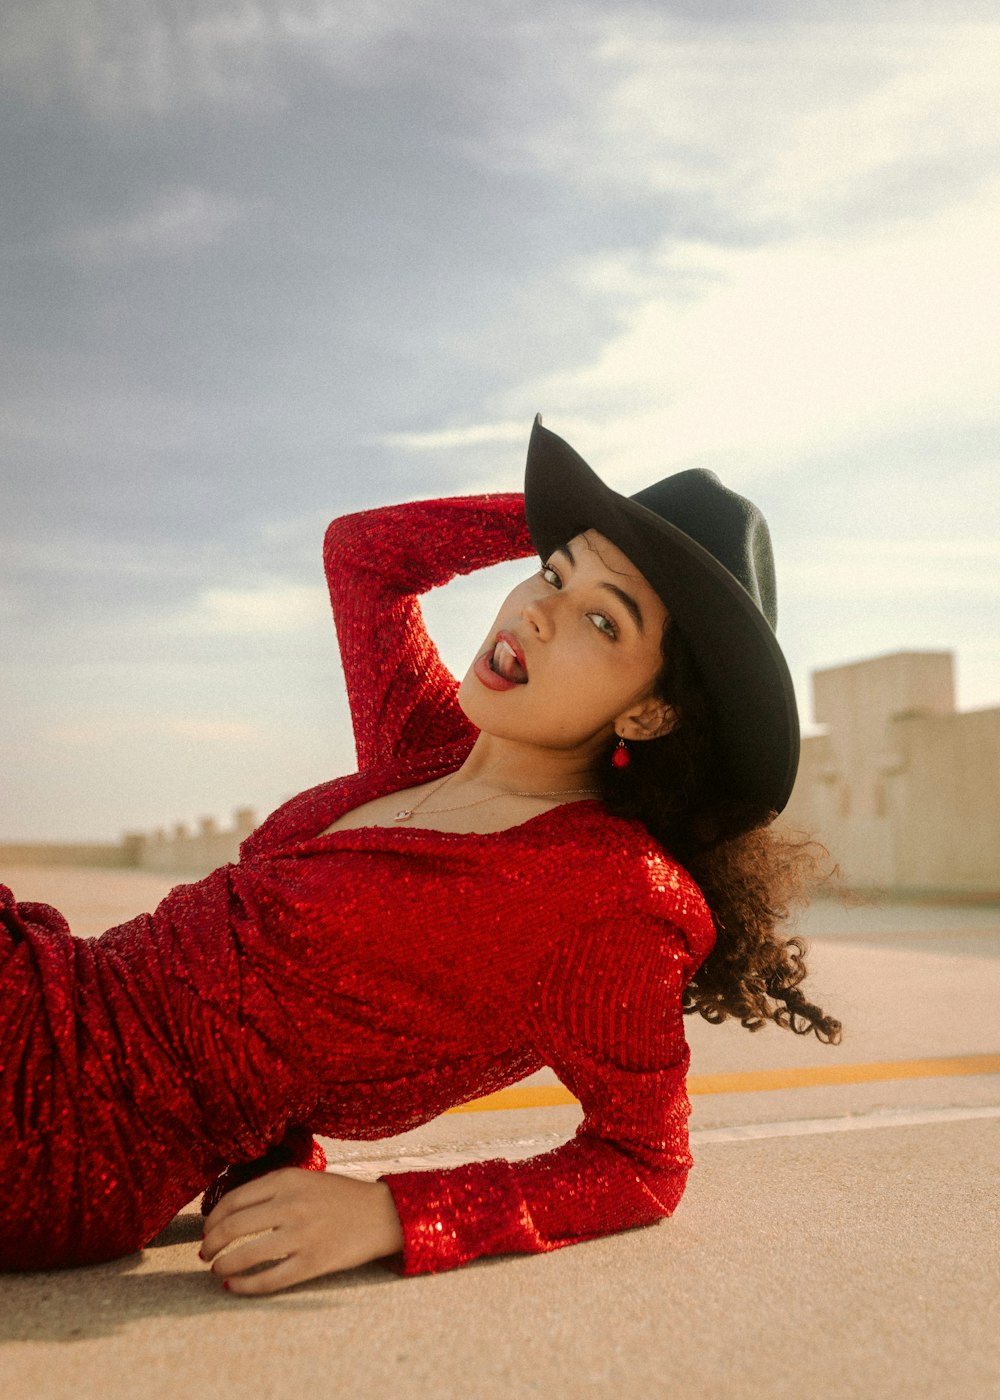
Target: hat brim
746,680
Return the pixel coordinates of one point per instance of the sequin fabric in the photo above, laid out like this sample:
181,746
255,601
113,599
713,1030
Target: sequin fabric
358,983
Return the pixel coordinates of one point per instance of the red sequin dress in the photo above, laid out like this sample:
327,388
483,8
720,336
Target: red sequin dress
359,983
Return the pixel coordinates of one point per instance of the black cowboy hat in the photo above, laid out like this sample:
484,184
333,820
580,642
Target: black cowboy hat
707,553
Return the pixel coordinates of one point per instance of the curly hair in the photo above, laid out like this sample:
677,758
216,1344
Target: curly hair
751,873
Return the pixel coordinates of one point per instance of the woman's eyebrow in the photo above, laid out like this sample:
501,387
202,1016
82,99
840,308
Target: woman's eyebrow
629,602
565,549
623,597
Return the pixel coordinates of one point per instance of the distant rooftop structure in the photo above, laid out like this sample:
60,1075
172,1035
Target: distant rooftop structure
179,851
902,789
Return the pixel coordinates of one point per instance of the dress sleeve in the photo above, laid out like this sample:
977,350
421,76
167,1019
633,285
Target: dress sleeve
377,562
608,1019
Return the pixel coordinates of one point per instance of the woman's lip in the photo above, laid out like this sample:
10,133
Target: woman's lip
515,647
483,672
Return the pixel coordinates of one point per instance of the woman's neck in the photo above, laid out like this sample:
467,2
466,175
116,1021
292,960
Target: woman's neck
512,767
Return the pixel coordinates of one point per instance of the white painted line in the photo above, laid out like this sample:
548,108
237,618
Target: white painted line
878,1118
456,1154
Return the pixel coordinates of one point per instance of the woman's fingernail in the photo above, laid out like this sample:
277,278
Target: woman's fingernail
225,1283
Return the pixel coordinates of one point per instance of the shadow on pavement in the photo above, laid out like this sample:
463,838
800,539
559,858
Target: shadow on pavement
101,1300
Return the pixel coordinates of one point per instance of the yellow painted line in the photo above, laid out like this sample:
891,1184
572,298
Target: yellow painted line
750,1081
520,1096
806,1078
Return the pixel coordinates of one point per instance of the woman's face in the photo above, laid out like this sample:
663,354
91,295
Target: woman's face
572,655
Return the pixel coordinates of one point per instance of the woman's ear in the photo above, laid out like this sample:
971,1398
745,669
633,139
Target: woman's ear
650,720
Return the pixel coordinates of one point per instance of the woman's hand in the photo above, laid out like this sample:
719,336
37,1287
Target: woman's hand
316,1223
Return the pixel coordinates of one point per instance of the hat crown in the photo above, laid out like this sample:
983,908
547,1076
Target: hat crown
727,525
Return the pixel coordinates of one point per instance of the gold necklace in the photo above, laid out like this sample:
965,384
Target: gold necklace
405,813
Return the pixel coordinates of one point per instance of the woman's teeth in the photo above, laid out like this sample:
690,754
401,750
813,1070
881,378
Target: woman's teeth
504,661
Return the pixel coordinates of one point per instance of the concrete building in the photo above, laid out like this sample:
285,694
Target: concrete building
902,789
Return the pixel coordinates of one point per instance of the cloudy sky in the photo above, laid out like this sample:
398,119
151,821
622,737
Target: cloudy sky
265,262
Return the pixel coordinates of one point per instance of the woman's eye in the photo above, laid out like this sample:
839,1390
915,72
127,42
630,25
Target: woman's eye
600,620
604,624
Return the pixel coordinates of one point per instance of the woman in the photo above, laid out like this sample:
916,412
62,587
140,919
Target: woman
508,881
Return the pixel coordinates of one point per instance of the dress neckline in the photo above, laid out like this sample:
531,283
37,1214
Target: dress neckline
403,829
299,824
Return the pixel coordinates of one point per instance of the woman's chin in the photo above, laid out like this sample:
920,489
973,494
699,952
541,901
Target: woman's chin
484,708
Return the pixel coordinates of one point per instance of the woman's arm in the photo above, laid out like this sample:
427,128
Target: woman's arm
377,562
609,1021
617,1042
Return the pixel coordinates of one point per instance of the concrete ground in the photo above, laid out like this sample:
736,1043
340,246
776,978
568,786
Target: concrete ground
837,1239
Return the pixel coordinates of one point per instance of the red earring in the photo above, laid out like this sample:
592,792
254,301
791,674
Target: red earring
621,758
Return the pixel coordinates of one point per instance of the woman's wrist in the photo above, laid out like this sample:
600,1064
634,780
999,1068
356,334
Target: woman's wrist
387,1225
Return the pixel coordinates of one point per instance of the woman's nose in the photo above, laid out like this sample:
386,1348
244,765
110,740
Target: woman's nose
537,614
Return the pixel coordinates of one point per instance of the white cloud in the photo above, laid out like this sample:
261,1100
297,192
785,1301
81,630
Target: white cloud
762,356
178,221
121,57
905,570
107,733
752,359
212,731
780,125
269,608
472,435
847,173
71,554
936,105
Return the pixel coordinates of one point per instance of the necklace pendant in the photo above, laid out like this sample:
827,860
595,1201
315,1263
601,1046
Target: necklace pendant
404,814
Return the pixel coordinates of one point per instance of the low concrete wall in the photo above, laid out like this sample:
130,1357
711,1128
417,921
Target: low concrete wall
186,852
180,851
83,853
